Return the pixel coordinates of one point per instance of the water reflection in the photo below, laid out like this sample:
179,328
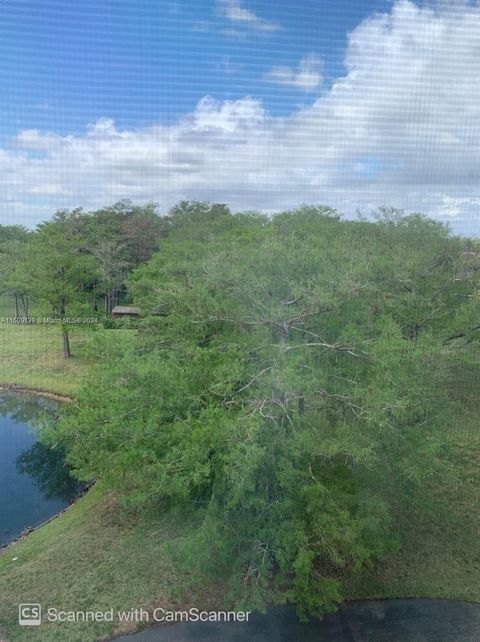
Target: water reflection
35,483
27,408
47,468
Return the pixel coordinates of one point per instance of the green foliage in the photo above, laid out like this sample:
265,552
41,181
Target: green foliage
286,369
67,263
61,269
14,274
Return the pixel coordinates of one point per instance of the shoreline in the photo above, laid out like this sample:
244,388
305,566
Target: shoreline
26,532
31,529
14,387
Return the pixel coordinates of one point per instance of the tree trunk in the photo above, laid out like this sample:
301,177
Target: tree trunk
24,300
16,305
108,301
66,345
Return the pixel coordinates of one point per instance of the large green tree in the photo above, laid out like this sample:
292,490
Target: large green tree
286,389
61,270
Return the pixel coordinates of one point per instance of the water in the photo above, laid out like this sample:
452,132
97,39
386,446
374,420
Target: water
34,481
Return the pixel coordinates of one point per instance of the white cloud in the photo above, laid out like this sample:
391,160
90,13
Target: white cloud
453,206
227,117
307,76
236,13
401,128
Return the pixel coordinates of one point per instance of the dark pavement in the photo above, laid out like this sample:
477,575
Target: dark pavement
403,620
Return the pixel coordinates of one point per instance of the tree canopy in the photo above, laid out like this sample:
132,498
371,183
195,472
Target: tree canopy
68,263
285,387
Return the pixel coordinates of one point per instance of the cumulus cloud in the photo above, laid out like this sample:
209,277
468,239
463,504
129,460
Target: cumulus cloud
307,76
234,11
401,128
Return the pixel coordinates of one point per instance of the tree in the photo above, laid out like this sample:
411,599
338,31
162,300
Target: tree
140,232
120,237
14,278
197,217
277,393
61,270
112,269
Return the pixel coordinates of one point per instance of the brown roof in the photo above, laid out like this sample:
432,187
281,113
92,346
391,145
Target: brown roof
125,309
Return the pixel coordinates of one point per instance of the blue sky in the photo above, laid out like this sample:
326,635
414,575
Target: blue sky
65,64
255,103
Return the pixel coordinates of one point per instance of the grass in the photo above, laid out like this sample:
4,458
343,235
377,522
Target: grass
31,355
94,558
6,305
89,558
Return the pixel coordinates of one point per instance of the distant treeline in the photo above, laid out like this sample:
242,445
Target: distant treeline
79,262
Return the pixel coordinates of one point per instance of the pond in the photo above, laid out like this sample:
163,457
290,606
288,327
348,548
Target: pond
34,481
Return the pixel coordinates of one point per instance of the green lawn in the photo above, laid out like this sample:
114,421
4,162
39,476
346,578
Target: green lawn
91,557
31,355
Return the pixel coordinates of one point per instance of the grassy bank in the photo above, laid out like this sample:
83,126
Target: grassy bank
89,558
93,558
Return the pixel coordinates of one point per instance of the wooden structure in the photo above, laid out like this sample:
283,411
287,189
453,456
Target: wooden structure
125,311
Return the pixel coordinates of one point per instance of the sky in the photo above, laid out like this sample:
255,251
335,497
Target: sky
258,104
